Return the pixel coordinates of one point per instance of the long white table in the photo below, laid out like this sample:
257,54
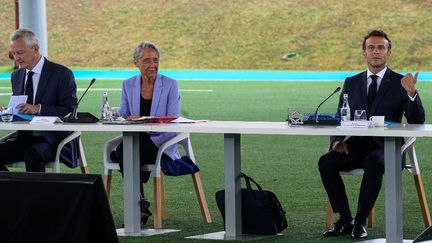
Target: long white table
232,131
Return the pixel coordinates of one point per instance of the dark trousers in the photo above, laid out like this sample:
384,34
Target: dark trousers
148,153
34,151
365,154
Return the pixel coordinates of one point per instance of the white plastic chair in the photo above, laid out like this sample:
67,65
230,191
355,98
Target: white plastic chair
158,189
412,167
55,165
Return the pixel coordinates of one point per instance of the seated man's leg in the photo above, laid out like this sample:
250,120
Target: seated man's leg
11,152
330,164
37,155
373,165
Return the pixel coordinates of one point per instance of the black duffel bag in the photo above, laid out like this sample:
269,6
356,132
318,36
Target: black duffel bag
262,212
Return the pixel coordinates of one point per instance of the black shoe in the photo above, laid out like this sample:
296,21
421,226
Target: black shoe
145,216
359,232
144,204
340,228
145,212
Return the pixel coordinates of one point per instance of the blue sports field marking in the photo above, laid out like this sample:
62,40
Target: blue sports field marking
226,75
110,89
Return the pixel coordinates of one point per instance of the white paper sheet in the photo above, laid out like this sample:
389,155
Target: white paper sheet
15,100
355,125
48,120
186,120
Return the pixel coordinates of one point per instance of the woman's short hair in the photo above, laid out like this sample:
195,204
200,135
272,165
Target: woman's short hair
145,45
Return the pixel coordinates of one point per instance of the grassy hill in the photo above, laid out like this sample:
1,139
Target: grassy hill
226,34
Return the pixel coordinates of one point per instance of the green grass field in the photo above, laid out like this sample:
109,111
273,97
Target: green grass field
286,165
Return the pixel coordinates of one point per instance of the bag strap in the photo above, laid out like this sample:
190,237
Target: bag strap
249,180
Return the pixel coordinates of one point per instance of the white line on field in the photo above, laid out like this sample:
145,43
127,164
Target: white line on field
118,89
196,90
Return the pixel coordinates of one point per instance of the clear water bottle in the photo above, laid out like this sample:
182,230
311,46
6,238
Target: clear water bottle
345,110
105,108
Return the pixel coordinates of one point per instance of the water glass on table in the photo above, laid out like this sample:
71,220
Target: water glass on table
360,115
295,116
6,114
114,113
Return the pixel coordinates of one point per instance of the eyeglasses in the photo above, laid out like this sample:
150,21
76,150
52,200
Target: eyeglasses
149,61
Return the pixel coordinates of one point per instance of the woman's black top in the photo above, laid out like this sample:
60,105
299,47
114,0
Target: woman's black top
145,106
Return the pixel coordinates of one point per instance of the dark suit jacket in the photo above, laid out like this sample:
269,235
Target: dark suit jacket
56,93
392,101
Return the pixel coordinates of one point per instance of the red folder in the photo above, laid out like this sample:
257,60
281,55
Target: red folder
155,119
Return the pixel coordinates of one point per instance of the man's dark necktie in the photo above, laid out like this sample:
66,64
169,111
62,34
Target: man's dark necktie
372,91
29,87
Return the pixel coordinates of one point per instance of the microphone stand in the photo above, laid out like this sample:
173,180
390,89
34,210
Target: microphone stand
316,111
81,117
75,110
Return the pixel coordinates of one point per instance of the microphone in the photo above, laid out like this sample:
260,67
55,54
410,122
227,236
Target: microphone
324,122
81,117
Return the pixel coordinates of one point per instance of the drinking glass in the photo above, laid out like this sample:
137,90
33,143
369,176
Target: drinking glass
6,114
295,116
114,113
360,115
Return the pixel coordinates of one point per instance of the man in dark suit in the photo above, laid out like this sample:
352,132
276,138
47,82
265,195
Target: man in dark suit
381,92
51,91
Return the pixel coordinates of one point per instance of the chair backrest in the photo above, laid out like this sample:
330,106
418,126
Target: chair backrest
408,148
187,145
109,146
70,151
356,172
63,154
180,138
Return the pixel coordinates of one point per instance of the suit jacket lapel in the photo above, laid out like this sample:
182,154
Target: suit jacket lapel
18,85
156,95
43,81
363,90
382,90
136,96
